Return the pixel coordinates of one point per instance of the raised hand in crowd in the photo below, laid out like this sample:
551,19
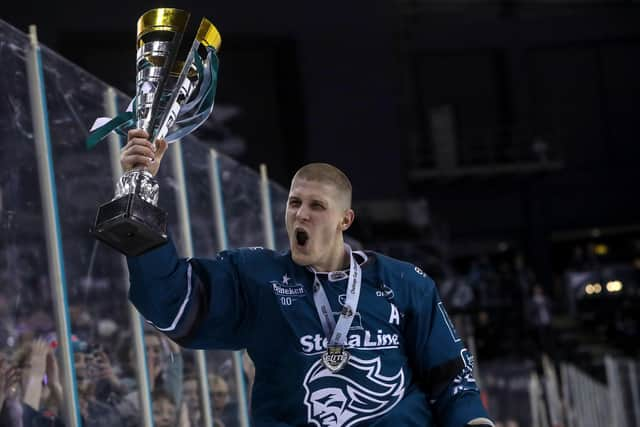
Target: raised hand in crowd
104,370
33,372
53,377
183,416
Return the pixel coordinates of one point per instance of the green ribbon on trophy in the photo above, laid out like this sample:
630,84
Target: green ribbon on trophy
197,75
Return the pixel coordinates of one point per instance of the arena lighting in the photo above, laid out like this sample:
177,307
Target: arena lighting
614,286
601,249
594,288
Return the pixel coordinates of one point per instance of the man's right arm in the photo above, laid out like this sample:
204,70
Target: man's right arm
175,294
178,297
159,286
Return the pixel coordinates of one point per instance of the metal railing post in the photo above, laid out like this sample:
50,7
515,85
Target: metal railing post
223,243
267,218
186,250
135,320
55,255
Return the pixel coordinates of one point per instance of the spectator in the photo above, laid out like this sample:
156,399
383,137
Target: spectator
38,383
165,367
165,412
109,389
93,412
10,406
191,396
223,413
30,391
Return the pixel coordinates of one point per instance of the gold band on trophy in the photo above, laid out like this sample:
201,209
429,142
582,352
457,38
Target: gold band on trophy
208,34
162,19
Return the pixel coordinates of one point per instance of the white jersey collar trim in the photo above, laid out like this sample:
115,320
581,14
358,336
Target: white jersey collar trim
336,276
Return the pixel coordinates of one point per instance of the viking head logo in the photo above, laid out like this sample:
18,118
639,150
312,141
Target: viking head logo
359,392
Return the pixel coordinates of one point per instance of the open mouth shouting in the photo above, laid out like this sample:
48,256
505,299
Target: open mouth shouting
302,236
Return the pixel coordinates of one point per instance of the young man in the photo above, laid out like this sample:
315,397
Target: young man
339,338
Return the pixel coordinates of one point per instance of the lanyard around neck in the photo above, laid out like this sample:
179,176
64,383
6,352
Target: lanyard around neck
337,333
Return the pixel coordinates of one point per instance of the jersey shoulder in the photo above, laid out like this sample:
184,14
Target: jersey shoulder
251,253
256,258
402,273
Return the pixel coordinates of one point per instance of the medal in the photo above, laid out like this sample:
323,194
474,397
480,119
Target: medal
335,358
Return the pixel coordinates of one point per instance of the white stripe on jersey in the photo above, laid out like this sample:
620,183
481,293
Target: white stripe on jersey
184,303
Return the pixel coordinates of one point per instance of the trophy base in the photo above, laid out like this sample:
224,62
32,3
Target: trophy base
130,225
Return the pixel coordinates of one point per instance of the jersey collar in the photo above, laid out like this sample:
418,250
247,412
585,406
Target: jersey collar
336,276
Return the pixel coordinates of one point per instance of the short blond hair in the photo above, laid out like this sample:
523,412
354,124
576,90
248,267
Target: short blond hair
328,174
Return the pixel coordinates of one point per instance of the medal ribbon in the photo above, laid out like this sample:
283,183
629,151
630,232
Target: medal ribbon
337,333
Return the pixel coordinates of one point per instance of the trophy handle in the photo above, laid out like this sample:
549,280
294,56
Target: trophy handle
139,182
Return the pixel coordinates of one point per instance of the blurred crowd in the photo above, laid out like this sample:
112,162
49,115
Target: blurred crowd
495,298
511,309
31,392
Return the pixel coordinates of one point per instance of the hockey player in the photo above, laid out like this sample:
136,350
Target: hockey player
338,337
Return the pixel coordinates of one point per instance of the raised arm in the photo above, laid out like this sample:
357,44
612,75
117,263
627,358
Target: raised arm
198,303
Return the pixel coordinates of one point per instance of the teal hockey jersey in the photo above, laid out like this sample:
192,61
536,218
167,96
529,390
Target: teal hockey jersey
408,366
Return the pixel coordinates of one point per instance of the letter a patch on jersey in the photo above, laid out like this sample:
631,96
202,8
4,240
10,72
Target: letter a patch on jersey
447,321
394,317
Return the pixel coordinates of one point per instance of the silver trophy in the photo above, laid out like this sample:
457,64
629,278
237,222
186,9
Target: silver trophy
173,97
